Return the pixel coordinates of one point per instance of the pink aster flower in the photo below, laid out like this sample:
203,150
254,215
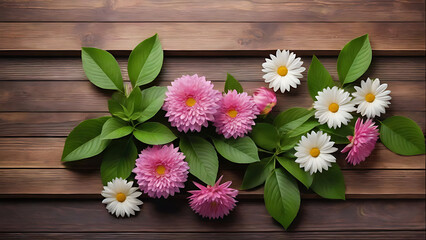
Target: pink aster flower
161,171
265,100
363,141
236,114
213,201
191,102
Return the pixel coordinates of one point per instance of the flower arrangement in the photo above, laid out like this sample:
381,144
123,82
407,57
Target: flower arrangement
180,129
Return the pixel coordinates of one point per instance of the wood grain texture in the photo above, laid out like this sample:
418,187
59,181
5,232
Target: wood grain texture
65,96
64,182
43,98
245,69
44,124
60,124
174,215
385,36
219,10
46,153
347,235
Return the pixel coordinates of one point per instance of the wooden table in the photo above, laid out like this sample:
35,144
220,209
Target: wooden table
44,94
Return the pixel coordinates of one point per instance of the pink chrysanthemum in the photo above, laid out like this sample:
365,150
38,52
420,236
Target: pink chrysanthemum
236,114
363,141
161,171
191,102
213,201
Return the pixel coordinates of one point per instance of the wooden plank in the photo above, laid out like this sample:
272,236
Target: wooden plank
394,37
64,96
174,215
66,182
60,124
47,152
219,10
82,96
347,235
43,124
215,68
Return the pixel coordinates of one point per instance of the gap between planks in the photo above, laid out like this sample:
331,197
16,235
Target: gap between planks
291,235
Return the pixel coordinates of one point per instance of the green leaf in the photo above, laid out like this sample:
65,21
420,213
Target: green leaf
287,142
257,173
134,103
402,136
118,160
266,136
294,169
152,101
116,106
145,61
339,135
240,150
102,69
304,128
85,141
201,158
318,78
154,133
232,84
282,197
292,118
115,128
354,59
330,184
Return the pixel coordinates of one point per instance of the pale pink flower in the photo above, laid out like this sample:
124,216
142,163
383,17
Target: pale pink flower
363,141
213,201
265,100
236,114
161,171
191,102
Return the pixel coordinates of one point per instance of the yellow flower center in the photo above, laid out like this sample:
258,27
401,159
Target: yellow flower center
282,71
190,102
315,152
370,97
334,107
121,197
232,113
160,169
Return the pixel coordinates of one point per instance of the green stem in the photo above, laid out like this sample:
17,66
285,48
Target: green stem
265,151
137,124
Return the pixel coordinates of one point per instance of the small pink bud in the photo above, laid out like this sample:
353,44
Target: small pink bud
265,100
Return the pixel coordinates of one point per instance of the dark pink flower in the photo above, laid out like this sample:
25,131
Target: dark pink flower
265,100
363,141
191,102
213,201
161,171
236,114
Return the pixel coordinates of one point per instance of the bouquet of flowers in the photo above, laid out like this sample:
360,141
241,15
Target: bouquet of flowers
158,135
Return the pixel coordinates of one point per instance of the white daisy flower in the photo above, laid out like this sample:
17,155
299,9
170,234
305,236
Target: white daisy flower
314,152
372,98
333,106
283,70
121,197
